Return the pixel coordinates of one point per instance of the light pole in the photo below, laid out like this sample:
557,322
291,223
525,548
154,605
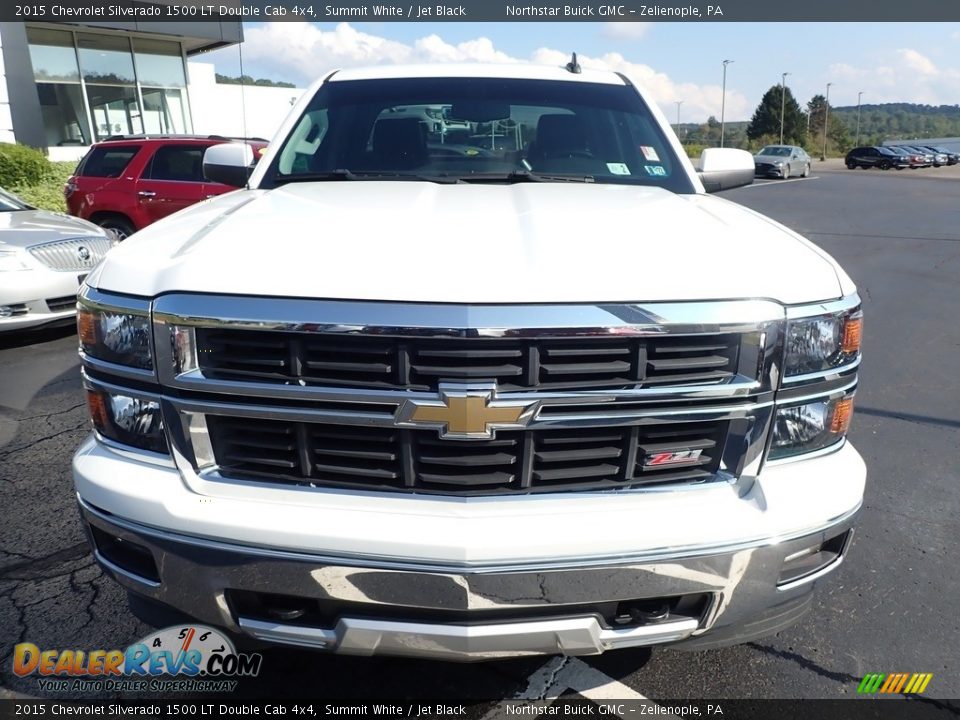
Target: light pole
783,100
678,104
723,101
826,116
859,95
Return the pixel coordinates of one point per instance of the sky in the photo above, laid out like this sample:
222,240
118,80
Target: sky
889,62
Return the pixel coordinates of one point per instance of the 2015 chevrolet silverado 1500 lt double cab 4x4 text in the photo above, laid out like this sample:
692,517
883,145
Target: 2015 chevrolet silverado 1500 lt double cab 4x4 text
519,386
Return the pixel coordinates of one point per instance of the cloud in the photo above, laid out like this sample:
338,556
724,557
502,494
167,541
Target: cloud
916,61
902,75
302,52
626,30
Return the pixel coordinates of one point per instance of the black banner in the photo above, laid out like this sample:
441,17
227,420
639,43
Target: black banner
913,708
482,11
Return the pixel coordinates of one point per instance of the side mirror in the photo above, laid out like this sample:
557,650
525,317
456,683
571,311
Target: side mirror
230,163
725,168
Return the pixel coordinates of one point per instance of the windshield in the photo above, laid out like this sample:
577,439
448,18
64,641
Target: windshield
478,130
10,202
777,150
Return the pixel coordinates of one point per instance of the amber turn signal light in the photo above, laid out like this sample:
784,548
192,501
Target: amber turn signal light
841,416
96,403
87,328
852,334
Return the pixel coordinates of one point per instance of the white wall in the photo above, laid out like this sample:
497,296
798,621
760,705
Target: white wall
6,121
232,110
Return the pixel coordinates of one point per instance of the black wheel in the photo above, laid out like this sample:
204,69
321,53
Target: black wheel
851,166
883,165
121,226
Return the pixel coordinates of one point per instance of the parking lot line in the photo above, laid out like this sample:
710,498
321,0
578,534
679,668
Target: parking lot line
775,181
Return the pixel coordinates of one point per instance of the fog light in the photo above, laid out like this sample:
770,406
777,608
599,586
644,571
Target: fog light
810,561
128,420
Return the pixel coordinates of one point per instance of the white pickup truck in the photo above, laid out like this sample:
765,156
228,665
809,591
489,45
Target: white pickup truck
520,388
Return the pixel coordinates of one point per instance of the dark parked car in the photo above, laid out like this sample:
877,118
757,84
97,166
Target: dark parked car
928,157
945,157
878,157
914,158
126,183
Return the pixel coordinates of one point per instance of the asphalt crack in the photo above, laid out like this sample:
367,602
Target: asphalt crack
33,443
37,567
44,416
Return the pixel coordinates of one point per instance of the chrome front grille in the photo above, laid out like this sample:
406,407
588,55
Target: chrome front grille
381,396
604,458
74,255
419,363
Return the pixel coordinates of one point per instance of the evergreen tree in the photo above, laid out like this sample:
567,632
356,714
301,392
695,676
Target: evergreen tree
766,118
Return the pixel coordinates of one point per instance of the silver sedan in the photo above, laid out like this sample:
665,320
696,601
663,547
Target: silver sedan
44,257
782,161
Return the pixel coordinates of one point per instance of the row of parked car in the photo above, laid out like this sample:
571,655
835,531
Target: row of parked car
120,186
884,157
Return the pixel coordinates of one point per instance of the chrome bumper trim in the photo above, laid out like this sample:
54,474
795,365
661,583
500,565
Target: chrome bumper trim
568,636
652,555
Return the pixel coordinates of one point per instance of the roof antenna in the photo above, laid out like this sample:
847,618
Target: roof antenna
573,66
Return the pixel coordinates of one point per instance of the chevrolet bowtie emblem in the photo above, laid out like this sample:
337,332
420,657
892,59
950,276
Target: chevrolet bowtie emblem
467,413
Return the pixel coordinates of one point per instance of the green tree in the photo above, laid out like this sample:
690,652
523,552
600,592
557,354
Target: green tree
766,118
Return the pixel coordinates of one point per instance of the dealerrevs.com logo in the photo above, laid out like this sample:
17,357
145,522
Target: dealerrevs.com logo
184,658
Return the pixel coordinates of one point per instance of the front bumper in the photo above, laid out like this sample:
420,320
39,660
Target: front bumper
474,579
37,297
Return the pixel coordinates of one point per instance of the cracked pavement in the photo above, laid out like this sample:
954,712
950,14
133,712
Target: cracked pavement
892,607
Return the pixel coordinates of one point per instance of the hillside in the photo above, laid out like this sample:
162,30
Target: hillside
901,120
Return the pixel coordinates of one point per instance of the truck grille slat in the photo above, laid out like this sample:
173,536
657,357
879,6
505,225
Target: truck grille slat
422,363
674,363
548,460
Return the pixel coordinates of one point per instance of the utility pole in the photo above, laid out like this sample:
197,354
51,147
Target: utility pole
678,104
859,95
826,116
723,101
783,100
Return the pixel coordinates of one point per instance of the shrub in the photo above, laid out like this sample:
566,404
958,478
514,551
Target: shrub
21,165
48,193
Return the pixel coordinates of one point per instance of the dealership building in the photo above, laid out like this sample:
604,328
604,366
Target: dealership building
64,86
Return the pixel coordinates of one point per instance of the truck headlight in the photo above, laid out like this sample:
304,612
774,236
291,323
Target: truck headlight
115,335
809,427
818,344
127,419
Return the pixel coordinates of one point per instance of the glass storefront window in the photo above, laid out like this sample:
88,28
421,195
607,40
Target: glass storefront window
114,109
52,55
164,111
64,118
133,85
159,63
106,59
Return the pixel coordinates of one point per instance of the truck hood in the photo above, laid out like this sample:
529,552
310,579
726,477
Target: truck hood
462,243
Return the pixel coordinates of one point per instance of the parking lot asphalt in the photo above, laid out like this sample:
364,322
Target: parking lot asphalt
892,607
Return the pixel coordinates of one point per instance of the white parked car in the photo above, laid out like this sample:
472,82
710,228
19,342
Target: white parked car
44,256
555,399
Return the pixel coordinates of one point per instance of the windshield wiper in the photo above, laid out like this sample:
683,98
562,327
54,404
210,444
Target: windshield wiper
517,176
344,174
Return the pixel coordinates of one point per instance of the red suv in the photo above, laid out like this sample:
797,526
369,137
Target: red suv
126,183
